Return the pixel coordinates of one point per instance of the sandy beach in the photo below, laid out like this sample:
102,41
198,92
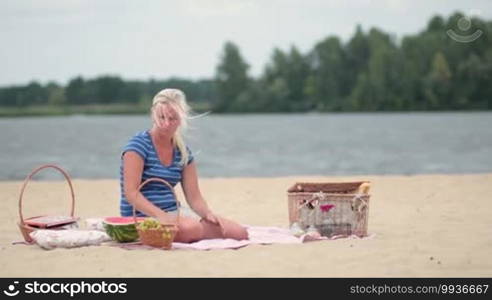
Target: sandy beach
423,226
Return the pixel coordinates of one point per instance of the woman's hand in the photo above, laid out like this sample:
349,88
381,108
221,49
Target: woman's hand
214,219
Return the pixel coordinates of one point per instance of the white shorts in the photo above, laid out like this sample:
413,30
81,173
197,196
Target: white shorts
185,211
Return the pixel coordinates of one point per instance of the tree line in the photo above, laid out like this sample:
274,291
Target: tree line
101,90
371,71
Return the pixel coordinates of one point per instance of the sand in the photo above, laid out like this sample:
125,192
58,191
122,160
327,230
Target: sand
423,226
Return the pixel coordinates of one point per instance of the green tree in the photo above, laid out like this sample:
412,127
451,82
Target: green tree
438,82
34,94
56,94
289,72
76,91
231,78
380,88
357,53
328,84
474,75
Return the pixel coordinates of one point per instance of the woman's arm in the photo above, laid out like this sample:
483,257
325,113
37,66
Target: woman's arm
132,176
199,205
192,192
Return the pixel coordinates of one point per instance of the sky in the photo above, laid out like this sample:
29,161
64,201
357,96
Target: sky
57,40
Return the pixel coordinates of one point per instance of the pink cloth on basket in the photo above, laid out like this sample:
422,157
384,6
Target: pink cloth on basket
257,235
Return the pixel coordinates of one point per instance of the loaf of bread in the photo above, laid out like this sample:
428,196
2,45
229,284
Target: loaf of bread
364,188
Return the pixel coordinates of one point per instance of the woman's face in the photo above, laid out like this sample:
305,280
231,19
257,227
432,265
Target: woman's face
166,119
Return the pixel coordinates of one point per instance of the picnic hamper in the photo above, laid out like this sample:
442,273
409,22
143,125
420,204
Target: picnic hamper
162,237
332,208
55,222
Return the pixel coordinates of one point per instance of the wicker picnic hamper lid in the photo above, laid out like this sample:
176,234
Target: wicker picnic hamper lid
326,187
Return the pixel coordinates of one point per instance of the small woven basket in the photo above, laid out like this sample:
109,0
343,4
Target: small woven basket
331,208
163,237
25,225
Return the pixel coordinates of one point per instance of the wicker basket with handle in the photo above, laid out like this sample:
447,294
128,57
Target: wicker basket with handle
340,208
164,236
55,222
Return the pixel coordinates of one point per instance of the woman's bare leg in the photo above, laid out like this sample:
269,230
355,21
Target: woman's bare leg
190,230
232,230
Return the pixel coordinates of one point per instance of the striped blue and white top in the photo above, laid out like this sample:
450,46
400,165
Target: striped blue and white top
156,192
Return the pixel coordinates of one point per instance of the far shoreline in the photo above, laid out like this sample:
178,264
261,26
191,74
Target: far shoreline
293,177
139,109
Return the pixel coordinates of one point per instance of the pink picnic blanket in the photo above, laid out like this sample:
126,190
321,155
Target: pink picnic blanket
257,235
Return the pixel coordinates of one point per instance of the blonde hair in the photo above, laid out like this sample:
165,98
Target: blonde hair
177,100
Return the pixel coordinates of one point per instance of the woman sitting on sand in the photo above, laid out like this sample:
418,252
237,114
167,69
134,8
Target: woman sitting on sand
161,152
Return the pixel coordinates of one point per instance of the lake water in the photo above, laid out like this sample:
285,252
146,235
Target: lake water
261,144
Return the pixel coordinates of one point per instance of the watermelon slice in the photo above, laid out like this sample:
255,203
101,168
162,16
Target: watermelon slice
122,229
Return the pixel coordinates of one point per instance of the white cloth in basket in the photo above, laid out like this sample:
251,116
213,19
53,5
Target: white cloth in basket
70,238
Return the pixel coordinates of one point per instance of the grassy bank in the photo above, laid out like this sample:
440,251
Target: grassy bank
93,109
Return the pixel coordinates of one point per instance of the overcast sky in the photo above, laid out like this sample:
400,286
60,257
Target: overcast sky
60,39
